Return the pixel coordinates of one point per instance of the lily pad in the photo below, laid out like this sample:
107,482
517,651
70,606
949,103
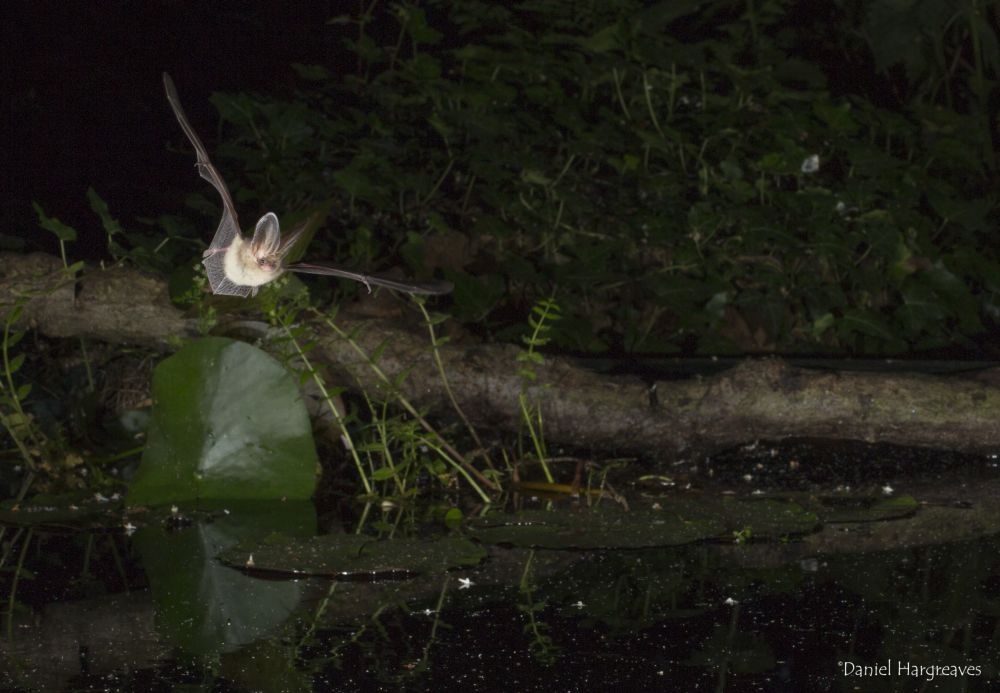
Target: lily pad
228,422
350,555
74,510
853,508
866,509
678,521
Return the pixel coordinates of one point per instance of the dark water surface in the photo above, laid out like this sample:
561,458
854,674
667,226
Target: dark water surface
909,603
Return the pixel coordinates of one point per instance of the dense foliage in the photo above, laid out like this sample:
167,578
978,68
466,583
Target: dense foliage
682,176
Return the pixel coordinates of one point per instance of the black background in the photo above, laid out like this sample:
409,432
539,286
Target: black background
84,104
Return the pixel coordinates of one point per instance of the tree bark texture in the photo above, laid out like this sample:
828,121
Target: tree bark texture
758,399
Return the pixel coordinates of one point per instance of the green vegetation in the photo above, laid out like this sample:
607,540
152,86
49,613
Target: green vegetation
695,178
691,178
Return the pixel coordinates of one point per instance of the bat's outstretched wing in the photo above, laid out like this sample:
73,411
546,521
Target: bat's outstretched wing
431,288
229,227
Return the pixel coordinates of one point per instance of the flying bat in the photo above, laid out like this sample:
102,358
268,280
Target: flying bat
237,266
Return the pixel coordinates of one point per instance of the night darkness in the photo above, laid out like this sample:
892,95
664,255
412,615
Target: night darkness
85,106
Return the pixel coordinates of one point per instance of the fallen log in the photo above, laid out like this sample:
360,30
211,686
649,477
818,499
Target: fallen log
758,399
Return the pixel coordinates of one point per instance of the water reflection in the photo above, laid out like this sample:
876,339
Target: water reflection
921,589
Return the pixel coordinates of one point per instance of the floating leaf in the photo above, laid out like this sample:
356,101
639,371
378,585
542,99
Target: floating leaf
228,421
679,521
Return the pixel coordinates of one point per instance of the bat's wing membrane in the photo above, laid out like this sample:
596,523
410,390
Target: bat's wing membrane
430,288
220,283
229,226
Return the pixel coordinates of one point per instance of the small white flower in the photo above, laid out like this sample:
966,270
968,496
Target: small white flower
250,561
129,529
100,498
810,164
578,605
464,583
730,601
888,490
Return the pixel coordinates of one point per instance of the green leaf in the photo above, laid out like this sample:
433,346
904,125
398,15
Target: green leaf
100,207
228,421
15,363
62,231
384,473
866,322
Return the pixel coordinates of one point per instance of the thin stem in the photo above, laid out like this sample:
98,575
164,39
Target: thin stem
328,398
435,348
405,403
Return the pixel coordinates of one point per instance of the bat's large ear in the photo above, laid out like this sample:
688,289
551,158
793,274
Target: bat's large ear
267,236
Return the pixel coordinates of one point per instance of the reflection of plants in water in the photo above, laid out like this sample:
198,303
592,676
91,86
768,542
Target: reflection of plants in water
18,570
424,664
541,645
729,650
74,565
391,645
939,601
